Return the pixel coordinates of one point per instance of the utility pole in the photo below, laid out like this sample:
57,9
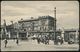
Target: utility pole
12,30
55,25
5,31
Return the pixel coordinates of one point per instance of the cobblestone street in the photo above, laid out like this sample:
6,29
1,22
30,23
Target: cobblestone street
32,45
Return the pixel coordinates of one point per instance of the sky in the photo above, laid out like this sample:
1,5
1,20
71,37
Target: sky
67,12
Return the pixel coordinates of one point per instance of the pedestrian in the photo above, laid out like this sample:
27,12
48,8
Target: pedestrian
56,40
61,40
45,39
48,39
38,39
5,42
17,41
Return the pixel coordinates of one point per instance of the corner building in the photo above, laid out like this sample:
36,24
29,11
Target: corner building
43,25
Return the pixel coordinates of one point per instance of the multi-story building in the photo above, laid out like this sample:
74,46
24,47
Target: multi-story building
42,23
40,26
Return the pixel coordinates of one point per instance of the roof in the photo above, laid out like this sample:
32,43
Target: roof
46,17
40,17
71,30
28,20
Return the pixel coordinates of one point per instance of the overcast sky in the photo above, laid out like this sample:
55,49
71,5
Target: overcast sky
67,11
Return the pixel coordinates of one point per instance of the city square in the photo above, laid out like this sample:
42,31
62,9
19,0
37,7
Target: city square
32,45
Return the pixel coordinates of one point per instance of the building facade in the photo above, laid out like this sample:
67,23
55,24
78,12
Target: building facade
71,34
43,25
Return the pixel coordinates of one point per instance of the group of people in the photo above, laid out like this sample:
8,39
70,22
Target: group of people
6,42
59,40
43,39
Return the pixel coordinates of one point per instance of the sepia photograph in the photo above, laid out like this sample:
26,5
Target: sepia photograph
39,26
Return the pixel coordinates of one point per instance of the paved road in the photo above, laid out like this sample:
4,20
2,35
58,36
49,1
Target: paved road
32,45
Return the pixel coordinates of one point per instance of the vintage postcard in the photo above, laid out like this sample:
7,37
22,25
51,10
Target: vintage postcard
39,26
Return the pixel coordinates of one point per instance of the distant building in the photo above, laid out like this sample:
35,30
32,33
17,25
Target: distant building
11,31
71,34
